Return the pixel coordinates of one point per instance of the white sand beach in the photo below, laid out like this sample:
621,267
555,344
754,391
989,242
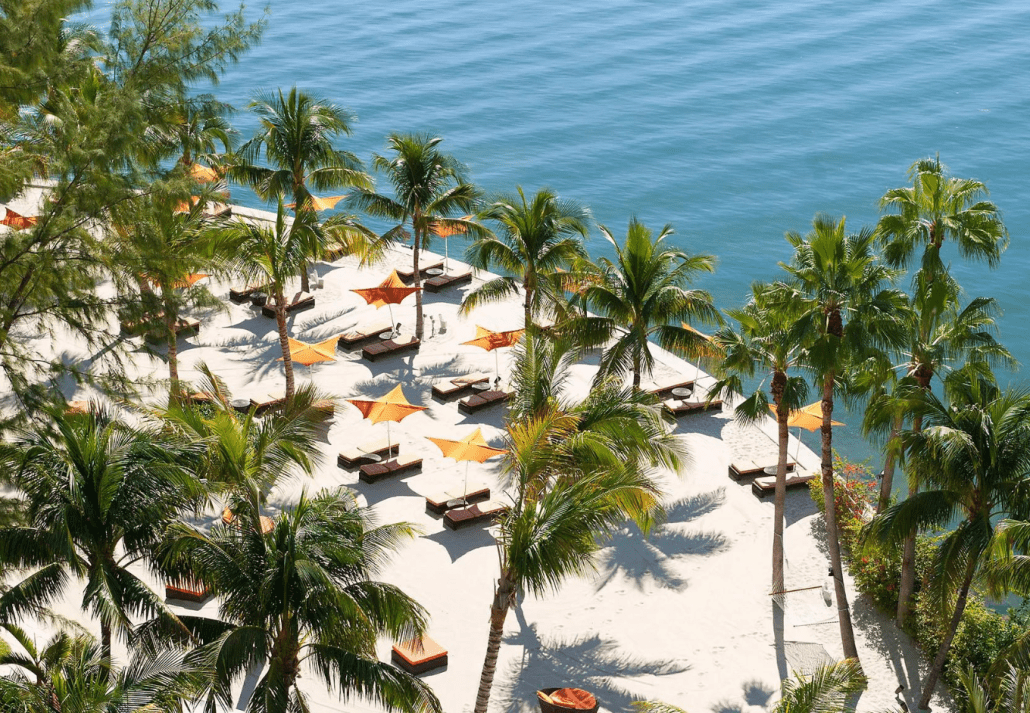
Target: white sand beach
683,616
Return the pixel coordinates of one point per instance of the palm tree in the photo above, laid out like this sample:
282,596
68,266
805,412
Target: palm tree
198,128
301,598
70,673
578,471
643,294
540,238
98,495
973,454
428,187
163,246
296,140
272,255
826,690
765,343
843,310
936,208
1009,694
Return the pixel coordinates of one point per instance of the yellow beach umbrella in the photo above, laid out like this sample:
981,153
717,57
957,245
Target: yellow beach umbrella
491,341
473,448
203,173
808,417
392,407
320,204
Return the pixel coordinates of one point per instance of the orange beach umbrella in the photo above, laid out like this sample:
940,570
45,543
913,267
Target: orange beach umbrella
808,417
308,354
319,204
17,220
471,448
391,291
203,173
491,341
446,231
392,407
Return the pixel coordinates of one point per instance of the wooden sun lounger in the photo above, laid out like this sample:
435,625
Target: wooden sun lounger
767,483
371,472
663,392
300,302
408,276
745,467
419,655
389,347
683,408
442,282
483,512
449,388
357,455
217,210
187,592
457,497
184,327
152,327
327,406
241,296
359,335
482,400
267,402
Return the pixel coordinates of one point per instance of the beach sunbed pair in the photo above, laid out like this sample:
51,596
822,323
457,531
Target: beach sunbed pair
300,302
407,275
748,467
239,296
372,472
679,408
152,328
665,390
457,386
482,400
418,655
457,497
766,484
440,283
360,335
351,458
187,591
390,347
266,402
462,517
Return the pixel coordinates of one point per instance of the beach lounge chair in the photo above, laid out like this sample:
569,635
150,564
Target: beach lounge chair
327,406
682,408
767,483
390,347
187,592
359,335
354,456
456,497
442,282
76,408
450,388
300,302
665,390
418,655
748,468
183,327
482,400
239,296
487,511
262,404
371,472
566,700
408,276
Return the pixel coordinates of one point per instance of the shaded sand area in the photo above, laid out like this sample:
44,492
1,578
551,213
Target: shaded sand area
683,616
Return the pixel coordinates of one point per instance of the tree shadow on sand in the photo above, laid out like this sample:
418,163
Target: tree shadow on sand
640,558
590,662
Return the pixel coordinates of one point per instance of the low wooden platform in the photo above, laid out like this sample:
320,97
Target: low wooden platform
487,511
683,408
360,335
355,456
419,655
408,276
664,391
263,404
452,388
187,592
482,400
442,282
747,468
767,483
390,347
239,296
457,497
300,302
373,472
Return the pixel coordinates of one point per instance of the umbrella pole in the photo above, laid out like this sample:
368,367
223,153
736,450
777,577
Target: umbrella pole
797,451
497,364
465,490
445,255
389,443
391,322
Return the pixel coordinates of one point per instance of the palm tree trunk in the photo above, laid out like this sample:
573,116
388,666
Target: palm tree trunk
942,653
173,348
105,640
298,196
783,433
498,613
636,372
847,632
887,481
907,586
418,279
284,342
528,307
304,285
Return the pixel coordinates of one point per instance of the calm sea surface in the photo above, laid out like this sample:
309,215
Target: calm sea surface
734,121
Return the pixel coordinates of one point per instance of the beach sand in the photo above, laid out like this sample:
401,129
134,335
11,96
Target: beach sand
683,616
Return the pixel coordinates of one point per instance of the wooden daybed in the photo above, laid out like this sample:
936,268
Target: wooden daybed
390,347
482,400
442,282
354,456
300,302
372,472
458,496
487,511
418,655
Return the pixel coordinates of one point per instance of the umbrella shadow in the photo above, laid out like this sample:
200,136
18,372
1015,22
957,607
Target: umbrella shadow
459,543
590,662
395,487
639,558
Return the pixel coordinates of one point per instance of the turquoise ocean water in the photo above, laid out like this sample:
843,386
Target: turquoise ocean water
734,121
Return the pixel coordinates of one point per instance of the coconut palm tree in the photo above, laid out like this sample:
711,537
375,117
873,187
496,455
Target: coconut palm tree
272,255
1010,693
539,238
70,673
302,599
826,690
765,344
577,471
295,139
98,494
428,188
937,208
642,295
843,309
973,456
198,129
